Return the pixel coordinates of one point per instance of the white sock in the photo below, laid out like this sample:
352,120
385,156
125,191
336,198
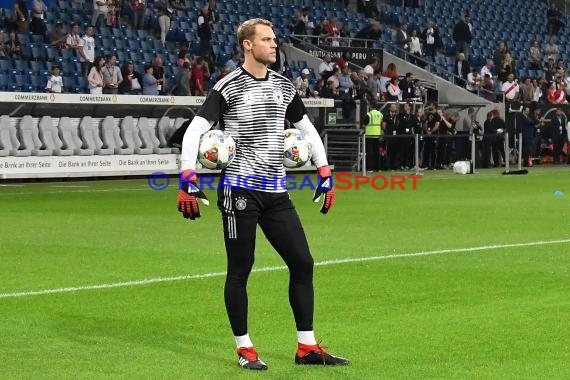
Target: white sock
306,337
243,341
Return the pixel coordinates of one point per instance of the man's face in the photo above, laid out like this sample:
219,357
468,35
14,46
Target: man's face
263,45
89,31
511,78
112,61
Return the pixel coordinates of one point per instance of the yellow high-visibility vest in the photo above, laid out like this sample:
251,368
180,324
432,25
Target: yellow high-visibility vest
373,128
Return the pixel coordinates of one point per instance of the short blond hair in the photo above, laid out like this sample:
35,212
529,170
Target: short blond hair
247,29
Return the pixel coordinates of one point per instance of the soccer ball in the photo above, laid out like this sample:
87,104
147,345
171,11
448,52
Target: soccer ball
217,149
298,149
462,167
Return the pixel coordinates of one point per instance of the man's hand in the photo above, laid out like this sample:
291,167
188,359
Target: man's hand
325,186
188,194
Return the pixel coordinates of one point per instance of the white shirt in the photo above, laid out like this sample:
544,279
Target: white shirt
325,67
485,70
472,78
511,95
415,46
88,44
55,83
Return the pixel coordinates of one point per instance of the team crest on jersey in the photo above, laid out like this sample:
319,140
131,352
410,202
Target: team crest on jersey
241,204
278,96
249,98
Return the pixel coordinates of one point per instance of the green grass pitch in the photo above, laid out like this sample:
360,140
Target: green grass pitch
498,312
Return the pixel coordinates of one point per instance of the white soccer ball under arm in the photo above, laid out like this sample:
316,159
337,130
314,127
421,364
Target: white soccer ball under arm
191,142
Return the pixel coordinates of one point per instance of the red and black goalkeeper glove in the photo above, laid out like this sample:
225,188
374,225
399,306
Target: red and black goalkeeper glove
325,186
188,195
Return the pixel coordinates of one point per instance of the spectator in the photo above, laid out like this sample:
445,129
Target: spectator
205,30
345,91
329,91
460,70
473,81
133,80
55,81
302,83
182,87
225,70
301,22
526,90
393,90
113,13
554,24
551,49
535,56
158,72
197,84
72,41
462,36
372,67
326,68
556,93
333,32
499,55
403,39
21,13
369,8
234,62
112,76
139,9
487,69
13,46
163,10
510,88
388,74
150,83
95,77
488,86
37,25
86,50
57,36
549,70
100,8
371,32
508,68
3,47
432,39
373,86
416,50
407,87
536,90
557,132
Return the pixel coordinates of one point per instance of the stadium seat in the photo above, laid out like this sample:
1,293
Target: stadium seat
89,129
10,145
130,136
164,131
148,137
49,136
29,137
70,137
111,138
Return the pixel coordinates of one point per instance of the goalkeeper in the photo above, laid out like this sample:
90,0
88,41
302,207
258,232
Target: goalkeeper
252,103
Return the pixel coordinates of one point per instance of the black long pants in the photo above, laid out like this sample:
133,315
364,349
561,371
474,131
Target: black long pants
242,210
373,153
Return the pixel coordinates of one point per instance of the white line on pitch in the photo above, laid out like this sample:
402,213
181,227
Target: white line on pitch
71,191
276,268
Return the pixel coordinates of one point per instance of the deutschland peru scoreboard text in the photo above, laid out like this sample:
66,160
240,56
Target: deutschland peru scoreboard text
341,181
